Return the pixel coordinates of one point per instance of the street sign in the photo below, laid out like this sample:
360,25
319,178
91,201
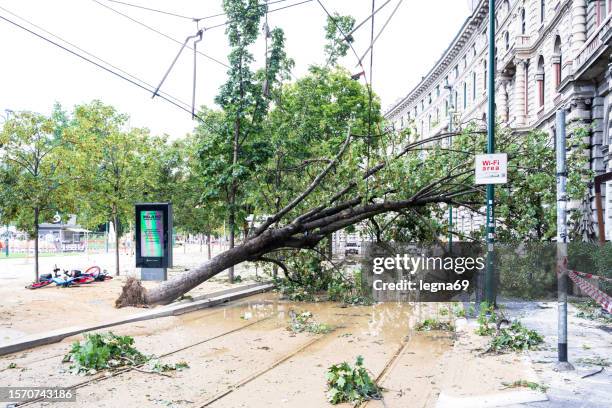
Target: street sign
491,168
153,239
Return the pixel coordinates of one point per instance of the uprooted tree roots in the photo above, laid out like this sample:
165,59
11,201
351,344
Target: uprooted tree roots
132,294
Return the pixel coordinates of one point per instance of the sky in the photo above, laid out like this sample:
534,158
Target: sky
34,74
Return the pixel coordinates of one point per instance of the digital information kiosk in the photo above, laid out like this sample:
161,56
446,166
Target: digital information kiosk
153,240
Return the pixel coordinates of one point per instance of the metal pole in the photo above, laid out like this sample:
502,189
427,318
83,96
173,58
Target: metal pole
450,142
490,226
561,241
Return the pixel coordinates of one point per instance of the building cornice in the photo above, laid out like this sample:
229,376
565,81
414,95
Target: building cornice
471,24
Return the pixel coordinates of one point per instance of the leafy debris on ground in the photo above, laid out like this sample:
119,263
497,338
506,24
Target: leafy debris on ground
351,384
303,322
434,324
591,310
107,351
591,361
526,384
516,337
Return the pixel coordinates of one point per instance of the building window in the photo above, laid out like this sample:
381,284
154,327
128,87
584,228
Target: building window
456,101
422,105
541,81
484,76
437,114
557,61
473,86
446,108
474,50
523,22
456,71
526,88
429,98
464,95
437,91
507,40
542,10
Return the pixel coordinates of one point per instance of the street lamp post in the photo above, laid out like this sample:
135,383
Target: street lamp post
490,226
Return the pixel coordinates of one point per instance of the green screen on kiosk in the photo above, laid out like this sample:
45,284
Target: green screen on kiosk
152,234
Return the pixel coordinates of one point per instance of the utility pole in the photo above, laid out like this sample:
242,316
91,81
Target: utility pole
490,226
562,283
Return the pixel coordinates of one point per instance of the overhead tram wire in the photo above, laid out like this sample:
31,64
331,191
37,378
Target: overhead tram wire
159,32
89,53
399,3
169,13
270,11
133,82
344,36
365,20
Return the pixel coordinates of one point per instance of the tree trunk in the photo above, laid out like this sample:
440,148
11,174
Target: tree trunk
171,289
209,246
116,222
36,221
232,222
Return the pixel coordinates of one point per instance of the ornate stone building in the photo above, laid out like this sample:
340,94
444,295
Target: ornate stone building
550,54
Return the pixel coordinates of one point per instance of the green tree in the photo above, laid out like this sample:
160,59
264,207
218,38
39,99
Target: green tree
37,173
234,147
116,172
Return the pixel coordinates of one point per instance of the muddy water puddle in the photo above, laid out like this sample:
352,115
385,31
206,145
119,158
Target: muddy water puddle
247,348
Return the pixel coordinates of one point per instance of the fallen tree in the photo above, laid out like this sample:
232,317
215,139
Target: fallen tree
350,205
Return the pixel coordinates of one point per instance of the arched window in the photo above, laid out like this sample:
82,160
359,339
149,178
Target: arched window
557,61
542,10
484,76
507,40
541,81
523,22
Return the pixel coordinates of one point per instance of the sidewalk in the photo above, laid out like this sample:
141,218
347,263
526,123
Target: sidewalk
589,342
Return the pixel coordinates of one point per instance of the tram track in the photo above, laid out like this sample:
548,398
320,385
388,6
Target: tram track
106,376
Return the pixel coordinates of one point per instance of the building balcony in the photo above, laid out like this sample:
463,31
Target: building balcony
594,45
522,42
